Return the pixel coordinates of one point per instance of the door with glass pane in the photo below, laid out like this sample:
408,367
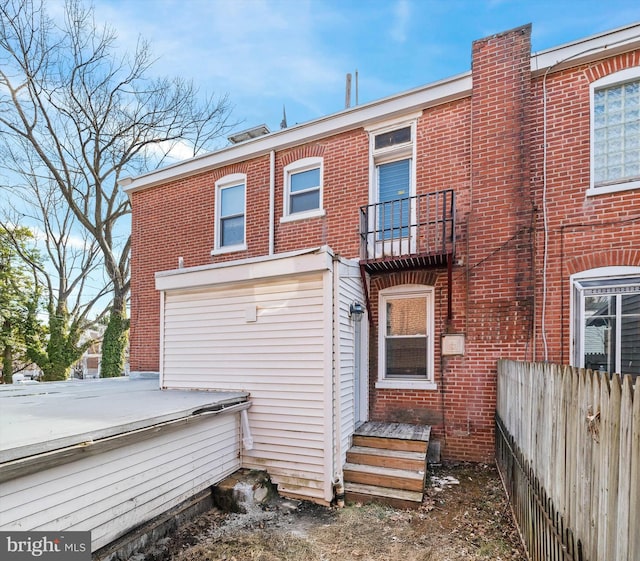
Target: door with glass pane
394,208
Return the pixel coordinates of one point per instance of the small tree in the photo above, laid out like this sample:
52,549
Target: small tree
18,298
89,115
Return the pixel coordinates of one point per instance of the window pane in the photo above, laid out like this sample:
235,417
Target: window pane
386,139
393,192
305,201
305,180
599,333
616,125
406,357
232,200
630,334
407,316
232,231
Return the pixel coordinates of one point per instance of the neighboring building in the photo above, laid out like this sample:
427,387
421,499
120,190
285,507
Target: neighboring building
88,366
495,214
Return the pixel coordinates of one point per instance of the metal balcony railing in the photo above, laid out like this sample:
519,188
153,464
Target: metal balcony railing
418,226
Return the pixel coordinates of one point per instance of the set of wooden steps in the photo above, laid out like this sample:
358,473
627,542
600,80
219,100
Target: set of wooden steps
387,463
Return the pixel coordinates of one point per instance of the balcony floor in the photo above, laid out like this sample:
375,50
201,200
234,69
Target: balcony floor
404,262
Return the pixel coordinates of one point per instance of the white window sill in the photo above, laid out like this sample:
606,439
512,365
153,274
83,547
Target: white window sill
303,215
406,385
229,249
615,188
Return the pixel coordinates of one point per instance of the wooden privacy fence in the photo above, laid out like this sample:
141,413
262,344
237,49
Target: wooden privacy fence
568,449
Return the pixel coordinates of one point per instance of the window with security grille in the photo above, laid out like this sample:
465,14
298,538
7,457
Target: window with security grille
607,324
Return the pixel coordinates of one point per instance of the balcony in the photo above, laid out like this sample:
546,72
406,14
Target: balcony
410,232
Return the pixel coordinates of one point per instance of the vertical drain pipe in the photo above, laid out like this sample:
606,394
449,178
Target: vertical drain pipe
247,438
272,200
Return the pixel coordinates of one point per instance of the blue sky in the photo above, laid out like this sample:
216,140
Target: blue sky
268,53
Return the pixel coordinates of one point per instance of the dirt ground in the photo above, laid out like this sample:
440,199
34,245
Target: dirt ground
465,516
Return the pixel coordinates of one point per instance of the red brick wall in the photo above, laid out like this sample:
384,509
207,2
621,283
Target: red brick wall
583,231
488,148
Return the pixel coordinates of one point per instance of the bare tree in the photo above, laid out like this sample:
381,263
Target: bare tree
89,116
65,262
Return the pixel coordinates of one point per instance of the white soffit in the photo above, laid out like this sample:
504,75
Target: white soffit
588,49
247,270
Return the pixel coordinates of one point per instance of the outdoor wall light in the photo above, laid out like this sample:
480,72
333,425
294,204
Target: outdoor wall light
356,310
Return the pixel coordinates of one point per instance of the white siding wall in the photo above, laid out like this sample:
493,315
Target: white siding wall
283,359
110,493
349,291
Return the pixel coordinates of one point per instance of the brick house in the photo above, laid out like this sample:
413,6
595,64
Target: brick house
494,214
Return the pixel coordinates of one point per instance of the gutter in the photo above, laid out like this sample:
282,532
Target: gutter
20,467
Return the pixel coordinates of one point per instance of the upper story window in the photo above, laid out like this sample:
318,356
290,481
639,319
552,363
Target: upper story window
606,327
303,189
230,207
405,338
615,132
392,170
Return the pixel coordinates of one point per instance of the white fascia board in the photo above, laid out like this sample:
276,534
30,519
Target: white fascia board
247,270
397,105
587,50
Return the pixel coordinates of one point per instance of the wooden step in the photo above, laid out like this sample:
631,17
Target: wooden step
390,443
391,478
393,436
387,463
397,498
399,459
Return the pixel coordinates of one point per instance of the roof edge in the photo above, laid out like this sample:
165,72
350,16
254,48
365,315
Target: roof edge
587,49
456,87
436,93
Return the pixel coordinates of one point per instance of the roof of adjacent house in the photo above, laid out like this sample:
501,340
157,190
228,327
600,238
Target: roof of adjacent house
571,54
40,418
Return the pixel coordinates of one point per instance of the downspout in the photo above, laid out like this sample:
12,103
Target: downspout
272,200
336,432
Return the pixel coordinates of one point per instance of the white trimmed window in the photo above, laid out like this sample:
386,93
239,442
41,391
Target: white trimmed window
392,151
606,328
230,204
303,189
615,132
405,337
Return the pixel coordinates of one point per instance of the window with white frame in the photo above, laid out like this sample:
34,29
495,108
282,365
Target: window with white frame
303,189
405,337
606,305
615,132
392,153
230,207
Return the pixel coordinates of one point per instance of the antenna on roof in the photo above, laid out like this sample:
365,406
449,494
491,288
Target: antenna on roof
347,95
283,123
356,86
